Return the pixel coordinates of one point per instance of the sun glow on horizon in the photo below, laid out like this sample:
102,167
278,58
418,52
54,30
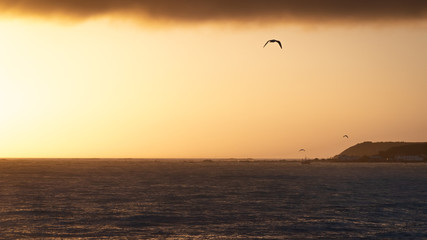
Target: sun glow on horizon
115,89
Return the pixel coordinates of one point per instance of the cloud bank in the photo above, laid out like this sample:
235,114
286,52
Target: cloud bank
225,10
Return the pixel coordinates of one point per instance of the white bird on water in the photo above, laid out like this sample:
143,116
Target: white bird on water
273,41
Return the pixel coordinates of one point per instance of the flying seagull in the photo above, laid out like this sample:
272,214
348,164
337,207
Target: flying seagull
345,136
302,150
273,41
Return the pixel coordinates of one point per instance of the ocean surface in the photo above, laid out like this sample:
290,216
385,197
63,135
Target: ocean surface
143,199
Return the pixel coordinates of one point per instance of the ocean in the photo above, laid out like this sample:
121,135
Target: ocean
178,199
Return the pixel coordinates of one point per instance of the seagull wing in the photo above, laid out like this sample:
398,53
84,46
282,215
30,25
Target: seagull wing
266,43
280,44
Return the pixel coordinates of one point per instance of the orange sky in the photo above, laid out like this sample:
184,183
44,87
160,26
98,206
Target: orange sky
108,86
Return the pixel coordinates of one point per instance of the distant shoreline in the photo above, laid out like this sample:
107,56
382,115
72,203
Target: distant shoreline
213,160
367,161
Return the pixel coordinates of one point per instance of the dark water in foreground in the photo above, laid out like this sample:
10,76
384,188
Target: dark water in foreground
218,200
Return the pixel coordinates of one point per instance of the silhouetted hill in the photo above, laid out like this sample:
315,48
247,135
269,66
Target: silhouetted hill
371,148
419,149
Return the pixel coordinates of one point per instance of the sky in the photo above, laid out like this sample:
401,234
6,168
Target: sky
191,79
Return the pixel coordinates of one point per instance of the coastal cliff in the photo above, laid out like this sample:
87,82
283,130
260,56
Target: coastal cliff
385,151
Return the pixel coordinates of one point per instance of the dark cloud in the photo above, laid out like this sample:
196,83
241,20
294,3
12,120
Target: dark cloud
234,10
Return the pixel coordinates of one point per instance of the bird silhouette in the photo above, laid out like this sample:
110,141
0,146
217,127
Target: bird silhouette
345,136
302,150
273,41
